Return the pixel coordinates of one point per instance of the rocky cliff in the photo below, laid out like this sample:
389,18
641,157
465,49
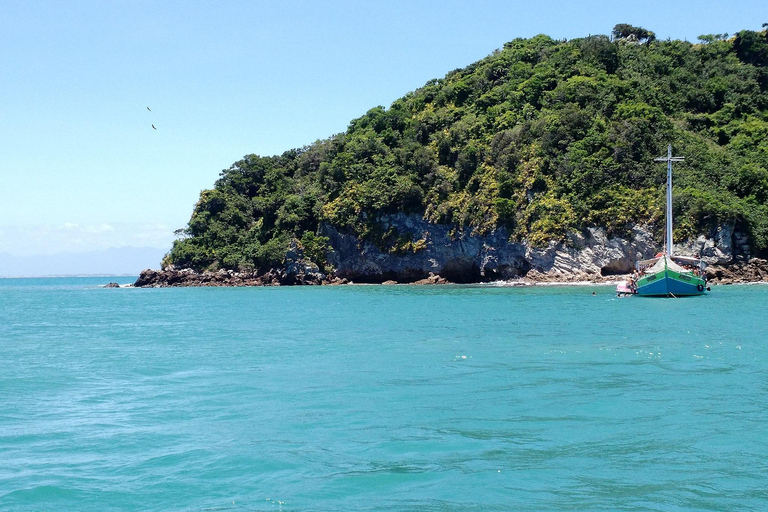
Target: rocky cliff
463,257
440,254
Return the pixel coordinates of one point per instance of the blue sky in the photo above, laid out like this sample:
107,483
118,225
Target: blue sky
81,168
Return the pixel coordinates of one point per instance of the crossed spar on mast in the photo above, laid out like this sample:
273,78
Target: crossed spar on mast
669,159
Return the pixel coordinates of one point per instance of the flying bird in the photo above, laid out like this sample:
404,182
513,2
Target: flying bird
149,109
153,127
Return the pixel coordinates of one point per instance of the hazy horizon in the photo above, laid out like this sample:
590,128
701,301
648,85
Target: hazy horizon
114,261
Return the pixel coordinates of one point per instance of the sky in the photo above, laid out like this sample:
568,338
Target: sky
82,83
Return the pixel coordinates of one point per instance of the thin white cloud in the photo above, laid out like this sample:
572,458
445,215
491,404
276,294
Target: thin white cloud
73,237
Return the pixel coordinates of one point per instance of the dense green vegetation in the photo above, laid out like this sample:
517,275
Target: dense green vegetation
541,137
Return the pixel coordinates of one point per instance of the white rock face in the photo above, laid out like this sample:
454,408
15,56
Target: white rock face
593,253
723,246
462,257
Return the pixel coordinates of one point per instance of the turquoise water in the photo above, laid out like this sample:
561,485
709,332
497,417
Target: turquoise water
380,398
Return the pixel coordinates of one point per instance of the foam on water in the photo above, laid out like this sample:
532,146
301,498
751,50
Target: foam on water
380,398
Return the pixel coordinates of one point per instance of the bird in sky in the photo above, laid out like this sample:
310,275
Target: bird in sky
149,109
153,127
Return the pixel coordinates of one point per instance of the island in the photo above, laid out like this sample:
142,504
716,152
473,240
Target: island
535,163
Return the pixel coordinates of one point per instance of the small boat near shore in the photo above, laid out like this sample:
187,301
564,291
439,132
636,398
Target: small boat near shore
667,275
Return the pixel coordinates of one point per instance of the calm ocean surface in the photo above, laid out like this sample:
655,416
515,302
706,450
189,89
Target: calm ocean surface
380,398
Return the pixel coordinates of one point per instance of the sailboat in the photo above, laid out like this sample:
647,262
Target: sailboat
667,275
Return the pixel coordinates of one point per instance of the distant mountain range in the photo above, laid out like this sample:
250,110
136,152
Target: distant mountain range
113,261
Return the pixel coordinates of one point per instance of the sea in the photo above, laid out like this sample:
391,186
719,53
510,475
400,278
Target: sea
372,398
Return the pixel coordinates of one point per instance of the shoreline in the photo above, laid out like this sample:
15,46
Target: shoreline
485,284
753,272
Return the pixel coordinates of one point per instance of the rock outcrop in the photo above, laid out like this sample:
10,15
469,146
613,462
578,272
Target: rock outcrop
188,277
296,270
299,270
439,254
752,271
463,257
723,246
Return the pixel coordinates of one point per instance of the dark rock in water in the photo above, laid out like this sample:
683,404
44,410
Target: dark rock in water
112,285
150,278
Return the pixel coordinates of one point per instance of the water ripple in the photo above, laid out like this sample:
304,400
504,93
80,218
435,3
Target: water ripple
379,398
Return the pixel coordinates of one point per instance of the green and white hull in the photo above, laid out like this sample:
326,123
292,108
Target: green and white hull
668,279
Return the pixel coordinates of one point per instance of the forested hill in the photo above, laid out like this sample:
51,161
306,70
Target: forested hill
541,137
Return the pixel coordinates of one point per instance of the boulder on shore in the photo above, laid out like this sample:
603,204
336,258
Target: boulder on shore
432,279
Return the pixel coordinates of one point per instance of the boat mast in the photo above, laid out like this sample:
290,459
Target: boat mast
669,159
